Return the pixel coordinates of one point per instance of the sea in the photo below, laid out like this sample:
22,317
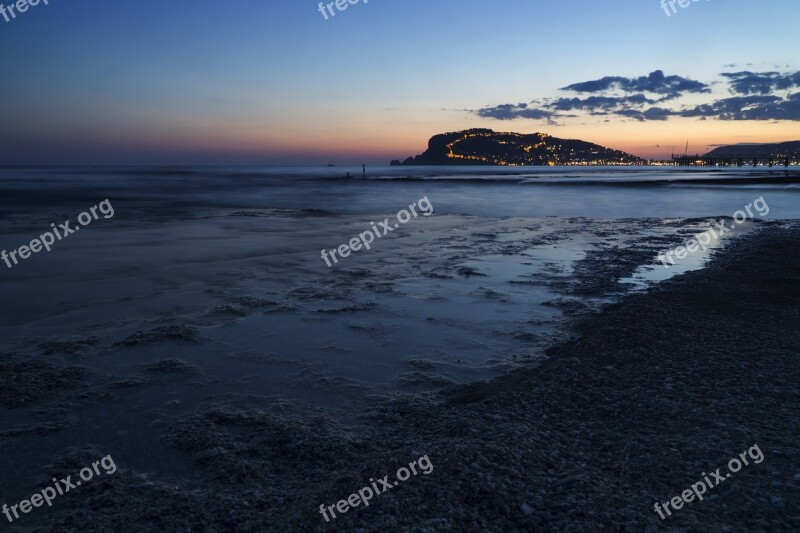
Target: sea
207,288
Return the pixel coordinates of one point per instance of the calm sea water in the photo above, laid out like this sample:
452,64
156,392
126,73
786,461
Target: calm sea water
595,192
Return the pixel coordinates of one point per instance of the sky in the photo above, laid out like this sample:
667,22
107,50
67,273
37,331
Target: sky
267,82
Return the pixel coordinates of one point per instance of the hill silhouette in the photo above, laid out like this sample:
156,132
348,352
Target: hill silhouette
487,147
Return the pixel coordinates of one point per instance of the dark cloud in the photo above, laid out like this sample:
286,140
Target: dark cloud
595,86
594,105
657,113
512,111
749,108
656,82
599,103
631,113
653,113
754,99
747,82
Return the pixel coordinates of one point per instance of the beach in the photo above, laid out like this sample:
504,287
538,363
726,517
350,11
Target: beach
554,373
408,266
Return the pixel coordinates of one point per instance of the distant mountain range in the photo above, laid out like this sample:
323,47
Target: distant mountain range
777,150
487,147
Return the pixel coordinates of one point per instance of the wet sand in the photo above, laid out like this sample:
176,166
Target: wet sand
649,393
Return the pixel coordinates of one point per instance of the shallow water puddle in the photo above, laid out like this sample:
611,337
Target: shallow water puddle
651,274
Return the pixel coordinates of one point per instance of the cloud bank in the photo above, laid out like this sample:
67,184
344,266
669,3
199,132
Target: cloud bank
755,96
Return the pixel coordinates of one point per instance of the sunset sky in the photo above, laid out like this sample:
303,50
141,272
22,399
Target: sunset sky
265,82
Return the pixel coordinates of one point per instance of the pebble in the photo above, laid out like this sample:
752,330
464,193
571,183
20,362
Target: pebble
527,509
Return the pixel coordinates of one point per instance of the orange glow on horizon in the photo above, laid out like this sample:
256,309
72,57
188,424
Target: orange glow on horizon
384,136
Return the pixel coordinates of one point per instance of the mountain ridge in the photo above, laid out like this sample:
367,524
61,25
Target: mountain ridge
790,149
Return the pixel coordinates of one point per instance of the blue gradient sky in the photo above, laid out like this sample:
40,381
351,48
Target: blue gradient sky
268,82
